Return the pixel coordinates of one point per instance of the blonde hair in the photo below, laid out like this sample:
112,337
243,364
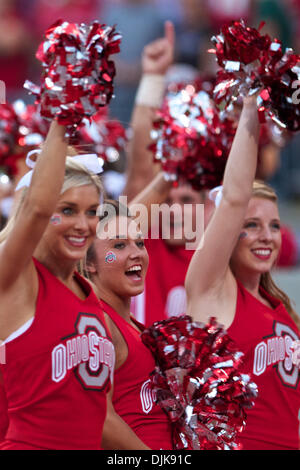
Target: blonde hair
76,175
264,191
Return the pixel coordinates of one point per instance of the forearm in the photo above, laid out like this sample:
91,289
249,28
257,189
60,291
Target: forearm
242,162
155,192
49,172
140,167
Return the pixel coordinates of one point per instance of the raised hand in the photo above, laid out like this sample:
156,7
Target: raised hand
159,54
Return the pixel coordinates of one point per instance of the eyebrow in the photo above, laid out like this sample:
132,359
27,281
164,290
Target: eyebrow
258,219
73,204
125,237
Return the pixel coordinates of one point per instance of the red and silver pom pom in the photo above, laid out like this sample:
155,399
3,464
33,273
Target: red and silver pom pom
198,382
254,63
192,138
78,73
104,136
9,132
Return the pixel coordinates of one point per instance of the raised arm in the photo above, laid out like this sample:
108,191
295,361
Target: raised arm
209,267
156,59
154,193
39,203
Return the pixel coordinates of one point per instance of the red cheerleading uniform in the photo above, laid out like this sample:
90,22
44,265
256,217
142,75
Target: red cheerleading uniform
164,294
265,335
133,398
57,373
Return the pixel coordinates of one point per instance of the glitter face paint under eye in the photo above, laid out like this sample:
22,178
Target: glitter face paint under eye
243,235
55,219
110,257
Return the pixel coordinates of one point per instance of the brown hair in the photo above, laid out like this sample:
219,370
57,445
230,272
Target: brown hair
264,191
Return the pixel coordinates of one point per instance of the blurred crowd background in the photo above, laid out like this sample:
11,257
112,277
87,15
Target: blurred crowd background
22,23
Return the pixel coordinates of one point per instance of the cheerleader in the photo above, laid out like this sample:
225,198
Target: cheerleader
229,278
116,265
58,354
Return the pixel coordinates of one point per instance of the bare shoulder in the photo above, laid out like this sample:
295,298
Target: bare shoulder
18,303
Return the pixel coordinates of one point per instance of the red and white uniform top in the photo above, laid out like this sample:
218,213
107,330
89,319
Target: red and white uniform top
265,335
57,373
133,398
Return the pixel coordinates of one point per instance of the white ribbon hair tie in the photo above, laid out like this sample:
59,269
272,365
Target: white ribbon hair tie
215,195
90,161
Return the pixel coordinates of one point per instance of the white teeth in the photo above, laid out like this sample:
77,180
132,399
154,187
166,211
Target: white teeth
135,268
263,252
76,240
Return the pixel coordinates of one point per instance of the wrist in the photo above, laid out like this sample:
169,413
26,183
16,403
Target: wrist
250,110
151,90
250,102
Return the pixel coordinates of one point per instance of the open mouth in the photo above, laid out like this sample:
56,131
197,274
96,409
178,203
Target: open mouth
134,273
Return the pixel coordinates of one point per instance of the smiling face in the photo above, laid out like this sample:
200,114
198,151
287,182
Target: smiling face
260,239
121,259
185,200
72,227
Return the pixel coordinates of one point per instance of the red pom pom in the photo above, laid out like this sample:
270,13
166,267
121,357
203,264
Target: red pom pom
198,382
78,73
252,62
192,138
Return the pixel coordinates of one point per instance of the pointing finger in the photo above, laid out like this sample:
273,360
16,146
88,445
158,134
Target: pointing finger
170,32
